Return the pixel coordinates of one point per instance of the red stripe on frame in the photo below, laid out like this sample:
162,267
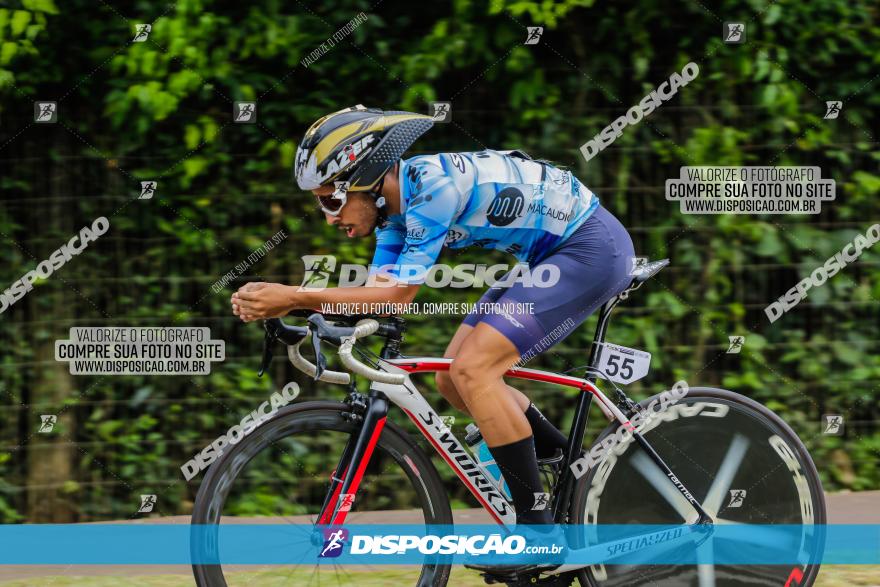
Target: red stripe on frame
331,505
362,466
429,366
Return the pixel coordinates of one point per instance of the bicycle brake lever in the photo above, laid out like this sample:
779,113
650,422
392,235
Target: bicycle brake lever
320,360
267,352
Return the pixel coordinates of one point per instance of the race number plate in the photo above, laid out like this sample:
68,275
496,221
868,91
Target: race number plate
624,365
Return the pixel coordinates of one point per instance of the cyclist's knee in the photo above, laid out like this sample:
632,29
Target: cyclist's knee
448,390
445,384
465,372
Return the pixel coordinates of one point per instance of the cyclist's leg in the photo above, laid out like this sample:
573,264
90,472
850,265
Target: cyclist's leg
447,387
548,438
593,266
444,381
478,373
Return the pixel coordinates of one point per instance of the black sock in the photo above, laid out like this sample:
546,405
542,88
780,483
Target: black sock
547,437
519,465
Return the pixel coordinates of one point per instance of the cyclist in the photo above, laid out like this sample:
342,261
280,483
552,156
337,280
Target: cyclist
351,160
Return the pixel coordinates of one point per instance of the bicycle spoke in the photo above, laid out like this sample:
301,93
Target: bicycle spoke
706,571
666,488
723,479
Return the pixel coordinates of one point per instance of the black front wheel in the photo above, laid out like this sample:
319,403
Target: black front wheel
280,474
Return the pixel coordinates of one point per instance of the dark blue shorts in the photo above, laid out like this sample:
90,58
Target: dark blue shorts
594,265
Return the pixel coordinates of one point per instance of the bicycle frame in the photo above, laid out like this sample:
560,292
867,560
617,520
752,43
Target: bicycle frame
342,490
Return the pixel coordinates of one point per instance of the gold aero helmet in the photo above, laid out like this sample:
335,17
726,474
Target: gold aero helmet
355,145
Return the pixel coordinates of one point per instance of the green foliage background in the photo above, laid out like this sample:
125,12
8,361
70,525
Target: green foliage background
162,110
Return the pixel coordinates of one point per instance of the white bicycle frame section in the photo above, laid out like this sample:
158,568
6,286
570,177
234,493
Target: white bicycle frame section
431,425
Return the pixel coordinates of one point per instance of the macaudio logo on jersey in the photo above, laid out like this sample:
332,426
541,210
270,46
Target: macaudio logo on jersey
334,539
541,209
507,206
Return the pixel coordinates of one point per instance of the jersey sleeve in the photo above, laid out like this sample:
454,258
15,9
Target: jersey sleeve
432,207
389,243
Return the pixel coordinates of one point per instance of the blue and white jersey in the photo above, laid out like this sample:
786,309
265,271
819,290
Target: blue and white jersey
488,199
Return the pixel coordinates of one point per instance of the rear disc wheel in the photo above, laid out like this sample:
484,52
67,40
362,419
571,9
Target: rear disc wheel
738,459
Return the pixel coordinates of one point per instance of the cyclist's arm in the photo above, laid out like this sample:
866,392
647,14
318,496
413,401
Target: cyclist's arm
432,207
390,241
391,293
275,300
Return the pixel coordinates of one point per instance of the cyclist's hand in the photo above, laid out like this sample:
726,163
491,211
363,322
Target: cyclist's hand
236,307
253,286
272,300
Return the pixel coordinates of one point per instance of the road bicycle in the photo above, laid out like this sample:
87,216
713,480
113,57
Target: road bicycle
711,457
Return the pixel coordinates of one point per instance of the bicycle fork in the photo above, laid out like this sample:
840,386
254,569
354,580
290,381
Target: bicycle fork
353,462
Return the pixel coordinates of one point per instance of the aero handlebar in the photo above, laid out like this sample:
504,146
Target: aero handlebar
361,329
319,329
